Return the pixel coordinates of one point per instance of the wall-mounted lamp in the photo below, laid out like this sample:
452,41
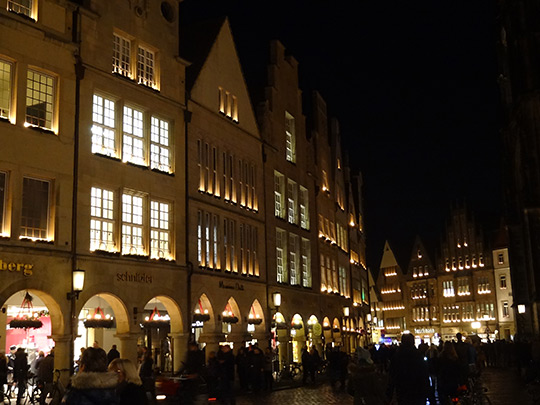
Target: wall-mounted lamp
276,297
521,309
368,317
77,284
346,311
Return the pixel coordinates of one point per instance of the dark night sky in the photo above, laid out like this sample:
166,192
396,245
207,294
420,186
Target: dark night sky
413,85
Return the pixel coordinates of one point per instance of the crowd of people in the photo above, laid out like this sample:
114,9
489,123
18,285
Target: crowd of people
376,375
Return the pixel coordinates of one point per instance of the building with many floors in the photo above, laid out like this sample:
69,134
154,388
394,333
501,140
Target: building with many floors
132,154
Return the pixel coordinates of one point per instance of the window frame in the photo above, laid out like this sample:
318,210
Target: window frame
53,100
47,231
110,246
7,112
3,202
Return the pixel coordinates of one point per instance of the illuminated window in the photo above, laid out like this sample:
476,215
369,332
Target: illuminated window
5,88
133,139
304,208
103,126
292,199
199,238
281,255
500,258
207,227
101,220
228,104
3,187
159,145
40,90
306,263
25,7
241,253
159,230
215,242
448,288
502,281
325,186
279,191
232,244
505,309
293,259
343,287
132,225
228,244
146,67
254,249
35,209
121,55
290,136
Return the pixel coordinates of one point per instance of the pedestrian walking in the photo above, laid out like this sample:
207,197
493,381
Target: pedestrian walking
226,362
409,379
20,372
113,354
268,377
242,368
212,372
129,390
192,371
448,373
307,365
365,384
148,378
45,376
93,384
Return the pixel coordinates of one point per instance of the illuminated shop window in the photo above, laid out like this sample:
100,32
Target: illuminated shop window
159,230
132,225
290,136
35,209
306,263
121,55
293,259
146,67
281,255
24,7
3,193
159,145
102,220
5,88
133,138
40,90
103,126
292,199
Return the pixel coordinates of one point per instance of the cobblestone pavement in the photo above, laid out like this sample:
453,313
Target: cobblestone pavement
505,387
320,394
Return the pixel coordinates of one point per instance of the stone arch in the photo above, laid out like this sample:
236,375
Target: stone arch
235,309
204,302
174,311
256,311
118,307
58,322
336,330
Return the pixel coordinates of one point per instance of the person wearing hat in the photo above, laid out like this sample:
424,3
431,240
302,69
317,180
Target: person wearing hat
365,384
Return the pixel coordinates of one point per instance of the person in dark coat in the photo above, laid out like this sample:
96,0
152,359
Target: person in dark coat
129,390
409,377
45,375
146,372
192,371
307,365
226,362
93,384
365,384
256,368
113,354
20,372
212,372
268,361
3,374
448,373
242,368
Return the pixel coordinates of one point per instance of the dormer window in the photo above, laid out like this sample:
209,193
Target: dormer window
228,104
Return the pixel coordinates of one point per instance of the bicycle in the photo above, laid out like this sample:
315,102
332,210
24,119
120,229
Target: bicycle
291,372
473,394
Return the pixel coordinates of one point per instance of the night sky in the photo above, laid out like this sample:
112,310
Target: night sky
414,86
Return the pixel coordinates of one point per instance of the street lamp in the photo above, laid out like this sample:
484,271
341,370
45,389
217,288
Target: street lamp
476,325
77,285
276,297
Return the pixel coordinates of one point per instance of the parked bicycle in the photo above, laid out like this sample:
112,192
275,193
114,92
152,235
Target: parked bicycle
291,372
474,393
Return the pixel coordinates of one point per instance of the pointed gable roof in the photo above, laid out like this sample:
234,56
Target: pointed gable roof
420,257
215,64
388,258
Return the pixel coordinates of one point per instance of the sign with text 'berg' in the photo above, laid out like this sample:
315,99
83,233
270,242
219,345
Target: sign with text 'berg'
25,268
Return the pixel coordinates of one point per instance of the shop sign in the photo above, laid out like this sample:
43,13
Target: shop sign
197,324
134,277
24,268
421,331
235,286
317,329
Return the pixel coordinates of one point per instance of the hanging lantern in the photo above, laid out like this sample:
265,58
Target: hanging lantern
201,315
253,318
27,318
99,320
228,317
156,320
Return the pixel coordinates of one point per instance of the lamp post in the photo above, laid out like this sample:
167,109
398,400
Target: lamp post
77,285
